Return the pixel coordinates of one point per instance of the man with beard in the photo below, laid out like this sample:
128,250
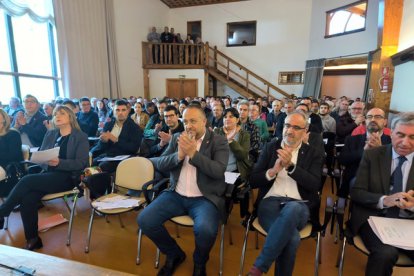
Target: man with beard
354,147
120,136
288,175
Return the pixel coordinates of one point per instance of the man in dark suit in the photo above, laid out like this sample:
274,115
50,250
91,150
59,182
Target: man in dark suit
196,160
120,136
384,187
354,147
288,175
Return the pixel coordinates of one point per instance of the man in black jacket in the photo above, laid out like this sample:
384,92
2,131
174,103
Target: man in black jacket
354,147
288,175
30,122
120,136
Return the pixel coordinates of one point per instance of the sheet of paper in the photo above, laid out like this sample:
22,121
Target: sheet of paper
231,177
42,157
116,202
395,232
34,149
116,158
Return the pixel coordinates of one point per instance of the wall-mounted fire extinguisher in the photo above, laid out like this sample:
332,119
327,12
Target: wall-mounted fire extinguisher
383,82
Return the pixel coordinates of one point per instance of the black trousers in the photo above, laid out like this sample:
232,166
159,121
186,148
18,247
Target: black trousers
382,257
28,192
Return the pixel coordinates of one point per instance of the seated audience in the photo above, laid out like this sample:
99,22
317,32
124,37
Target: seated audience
164,137
328,122
61,173
272,117
196,160
247,125
344,122
156,122
315,120
11,151
355,146
254,114
289,107
88,118
120,136
30,122
287,172
384,186
216,117
140,117
13,107
48,109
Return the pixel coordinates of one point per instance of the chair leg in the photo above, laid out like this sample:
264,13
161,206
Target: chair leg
6,223
246,235
88,241
72,213
341,258
65,199
157,258
230,234
317,253
177,231
257,240
120,221
221,250
139,247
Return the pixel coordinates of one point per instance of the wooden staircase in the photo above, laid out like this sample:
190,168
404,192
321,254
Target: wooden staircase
216,64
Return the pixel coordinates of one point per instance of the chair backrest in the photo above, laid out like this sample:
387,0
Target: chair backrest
134,172
26,152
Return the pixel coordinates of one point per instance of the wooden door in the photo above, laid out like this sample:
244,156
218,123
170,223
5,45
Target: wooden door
181,88
193,29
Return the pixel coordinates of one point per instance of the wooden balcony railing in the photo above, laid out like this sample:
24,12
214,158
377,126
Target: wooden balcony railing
202,56
168,55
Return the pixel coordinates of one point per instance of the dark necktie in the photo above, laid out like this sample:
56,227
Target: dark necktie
397,185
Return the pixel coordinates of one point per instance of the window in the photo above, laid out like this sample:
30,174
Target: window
296,77
347,19
241,33
28,58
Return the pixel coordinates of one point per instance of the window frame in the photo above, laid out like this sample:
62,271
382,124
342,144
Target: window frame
247,23
13,59
328,19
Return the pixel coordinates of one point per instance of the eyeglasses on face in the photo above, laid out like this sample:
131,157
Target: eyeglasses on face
296,128
370,117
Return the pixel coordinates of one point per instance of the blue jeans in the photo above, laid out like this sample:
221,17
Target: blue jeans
282,224
170,204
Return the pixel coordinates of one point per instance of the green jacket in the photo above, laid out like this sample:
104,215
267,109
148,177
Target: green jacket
240,149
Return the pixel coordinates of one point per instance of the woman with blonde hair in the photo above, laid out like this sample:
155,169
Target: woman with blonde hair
60,174
10,149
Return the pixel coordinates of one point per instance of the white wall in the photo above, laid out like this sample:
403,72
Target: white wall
346,85
158,78
133,21
402,95
282,40
350,44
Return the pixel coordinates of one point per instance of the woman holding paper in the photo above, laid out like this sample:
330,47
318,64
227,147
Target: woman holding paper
60,174
239,143
11,151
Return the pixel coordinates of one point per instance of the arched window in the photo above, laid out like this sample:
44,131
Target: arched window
347,19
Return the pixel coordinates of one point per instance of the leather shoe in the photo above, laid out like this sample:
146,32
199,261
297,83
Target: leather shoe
1,222
199,270
35,243
171,265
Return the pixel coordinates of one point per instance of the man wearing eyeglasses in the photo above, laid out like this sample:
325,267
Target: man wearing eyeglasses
30,122
288,175
354,147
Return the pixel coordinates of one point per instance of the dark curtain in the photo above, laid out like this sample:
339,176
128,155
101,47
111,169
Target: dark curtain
313,78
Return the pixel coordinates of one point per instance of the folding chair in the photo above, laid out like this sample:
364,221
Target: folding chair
131,174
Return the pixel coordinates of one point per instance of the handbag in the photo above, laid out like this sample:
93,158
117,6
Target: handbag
13,173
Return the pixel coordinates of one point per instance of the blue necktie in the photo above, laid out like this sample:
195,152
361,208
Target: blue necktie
397,185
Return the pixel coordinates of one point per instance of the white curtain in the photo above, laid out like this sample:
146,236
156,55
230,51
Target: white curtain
87,48
40,11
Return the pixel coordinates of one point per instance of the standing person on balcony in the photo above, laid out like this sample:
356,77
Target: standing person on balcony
166,37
